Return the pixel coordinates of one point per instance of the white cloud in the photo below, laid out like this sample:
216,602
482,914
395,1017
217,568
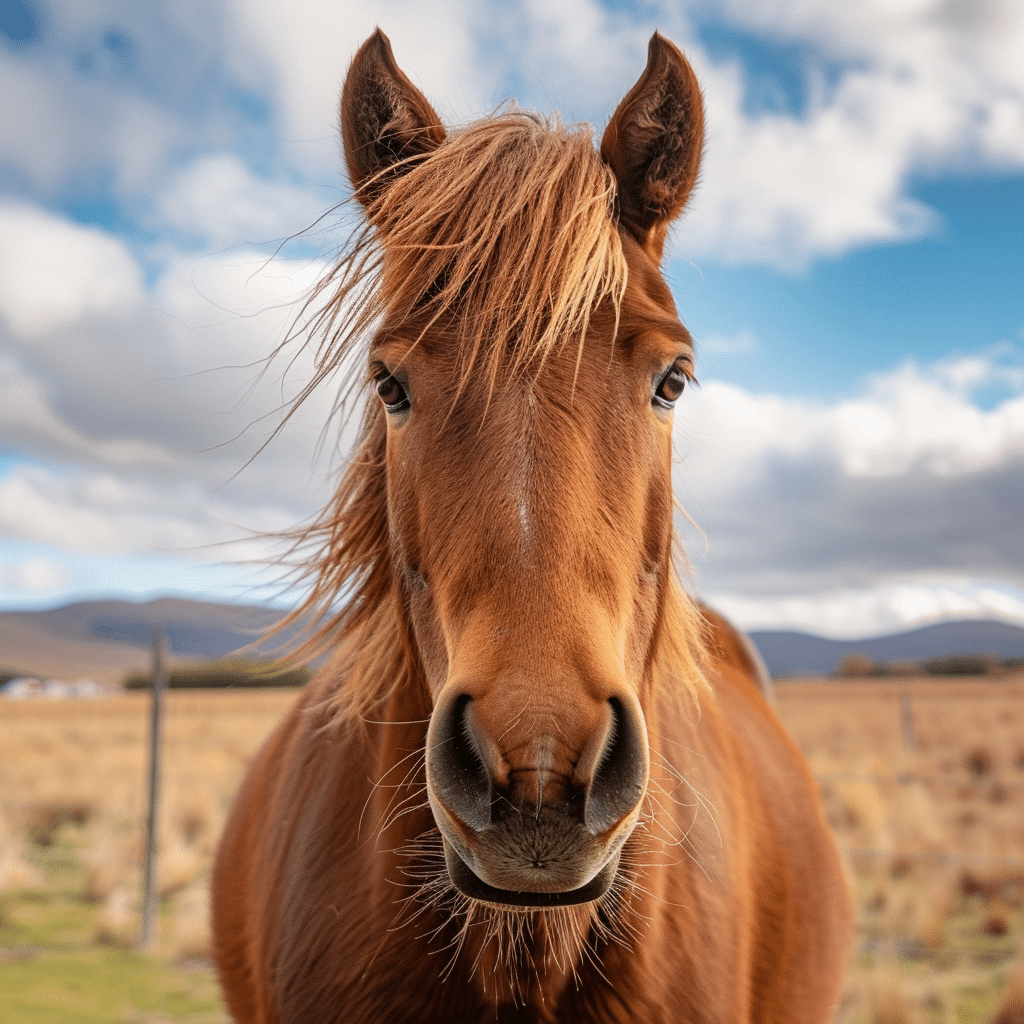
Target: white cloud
911,482
911,418
740,343
915,88
54,272
100,512
31,424
172,381
850,614
105,94
310,46
780,189
216,201
45,576
30,576
892,90
926,419
140,410
229,290
919,86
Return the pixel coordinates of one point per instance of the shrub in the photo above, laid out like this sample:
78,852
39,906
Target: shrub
856,664
962,665
227,674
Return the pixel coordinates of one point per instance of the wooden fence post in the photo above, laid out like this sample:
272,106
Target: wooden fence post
907,720
149,894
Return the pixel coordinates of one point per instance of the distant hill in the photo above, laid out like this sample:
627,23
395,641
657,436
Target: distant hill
795,654
193,628
106,640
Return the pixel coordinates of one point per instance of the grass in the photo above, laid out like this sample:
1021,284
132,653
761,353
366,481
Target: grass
103,986
940,939
932,825
70,844
56,967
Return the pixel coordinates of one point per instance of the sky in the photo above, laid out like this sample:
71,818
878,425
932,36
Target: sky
850,266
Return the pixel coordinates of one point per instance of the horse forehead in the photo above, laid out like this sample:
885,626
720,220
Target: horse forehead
525,454
646,292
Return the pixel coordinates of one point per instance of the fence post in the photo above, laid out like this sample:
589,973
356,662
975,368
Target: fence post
149,895
907,719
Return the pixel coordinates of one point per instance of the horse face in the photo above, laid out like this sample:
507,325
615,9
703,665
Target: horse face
532,525
530,516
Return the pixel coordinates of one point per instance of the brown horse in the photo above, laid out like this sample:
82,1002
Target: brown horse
534,782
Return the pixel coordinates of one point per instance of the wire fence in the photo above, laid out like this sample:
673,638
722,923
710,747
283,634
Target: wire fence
939,856
969,782
907,778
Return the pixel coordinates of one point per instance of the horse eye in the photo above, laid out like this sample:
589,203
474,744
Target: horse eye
391,393
669,386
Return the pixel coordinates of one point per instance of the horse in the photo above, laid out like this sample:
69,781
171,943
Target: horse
533,780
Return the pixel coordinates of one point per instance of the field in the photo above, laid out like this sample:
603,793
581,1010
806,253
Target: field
930,814
922,779
73,775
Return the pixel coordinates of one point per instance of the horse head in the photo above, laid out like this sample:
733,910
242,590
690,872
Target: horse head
526,365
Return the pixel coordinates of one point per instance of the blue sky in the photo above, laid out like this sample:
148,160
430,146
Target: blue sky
850,266
821,331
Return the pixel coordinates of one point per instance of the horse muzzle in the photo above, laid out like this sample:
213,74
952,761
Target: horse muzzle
526,828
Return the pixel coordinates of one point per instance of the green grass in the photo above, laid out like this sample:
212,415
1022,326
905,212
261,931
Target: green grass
53,971
104,986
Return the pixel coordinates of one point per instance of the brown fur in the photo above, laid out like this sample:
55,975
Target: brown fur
504,554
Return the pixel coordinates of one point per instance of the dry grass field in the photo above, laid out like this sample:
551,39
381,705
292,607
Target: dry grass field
72,779
923,781
933,834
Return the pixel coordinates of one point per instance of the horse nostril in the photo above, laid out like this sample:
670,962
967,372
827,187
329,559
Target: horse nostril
620,779
456,769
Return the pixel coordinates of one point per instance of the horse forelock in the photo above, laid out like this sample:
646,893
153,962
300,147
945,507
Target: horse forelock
506,234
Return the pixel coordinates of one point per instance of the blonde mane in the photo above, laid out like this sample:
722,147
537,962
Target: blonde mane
506,232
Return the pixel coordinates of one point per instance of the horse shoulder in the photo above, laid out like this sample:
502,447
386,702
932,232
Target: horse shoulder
291,785
730,646
238,913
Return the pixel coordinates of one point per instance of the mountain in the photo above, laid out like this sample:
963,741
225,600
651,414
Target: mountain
107,639
193,628
795,654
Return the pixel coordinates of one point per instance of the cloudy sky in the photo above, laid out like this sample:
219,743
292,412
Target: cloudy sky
851,267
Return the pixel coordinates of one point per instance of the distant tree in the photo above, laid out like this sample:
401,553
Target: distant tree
962,665
855,665
226,674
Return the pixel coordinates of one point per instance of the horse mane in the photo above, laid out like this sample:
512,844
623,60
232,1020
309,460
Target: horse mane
504,236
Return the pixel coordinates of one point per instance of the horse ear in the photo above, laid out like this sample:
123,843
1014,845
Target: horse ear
385,120
653,144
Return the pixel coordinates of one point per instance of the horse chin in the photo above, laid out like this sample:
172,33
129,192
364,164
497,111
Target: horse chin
469,884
